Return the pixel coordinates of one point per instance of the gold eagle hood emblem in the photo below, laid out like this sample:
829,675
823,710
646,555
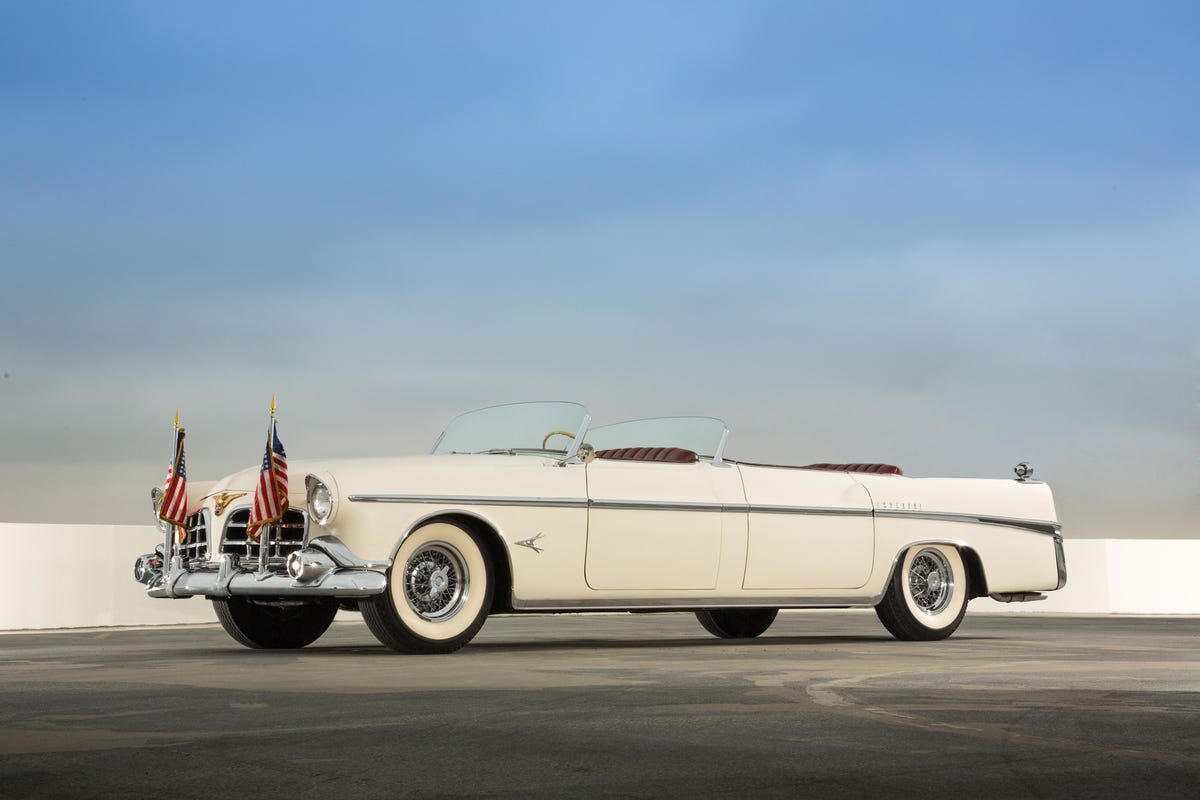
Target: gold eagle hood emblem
222,500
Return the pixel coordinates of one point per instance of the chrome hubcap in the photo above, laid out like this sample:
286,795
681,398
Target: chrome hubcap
930,581
436,581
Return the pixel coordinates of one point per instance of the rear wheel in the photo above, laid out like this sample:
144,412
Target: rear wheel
439,591
736,623
277,624
927,596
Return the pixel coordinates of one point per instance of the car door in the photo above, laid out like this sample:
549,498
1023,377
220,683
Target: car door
654,525
808,529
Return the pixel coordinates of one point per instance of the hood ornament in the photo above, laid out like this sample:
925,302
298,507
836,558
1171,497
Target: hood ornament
1023,471
222,500
531,543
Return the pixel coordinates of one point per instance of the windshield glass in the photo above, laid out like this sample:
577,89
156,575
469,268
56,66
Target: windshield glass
517,427
704,435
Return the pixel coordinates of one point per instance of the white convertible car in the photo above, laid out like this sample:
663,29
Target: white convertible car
528,508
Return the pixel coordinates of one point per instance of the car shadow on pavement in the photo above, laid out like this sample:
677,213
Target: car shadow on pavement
552,645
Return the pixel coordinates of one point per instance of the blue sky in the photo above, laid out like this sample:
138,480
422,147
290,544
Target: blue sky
950,236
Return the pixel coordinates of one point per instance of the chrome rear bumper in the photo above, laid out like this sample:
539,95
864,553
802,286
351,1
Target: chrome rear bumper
324,568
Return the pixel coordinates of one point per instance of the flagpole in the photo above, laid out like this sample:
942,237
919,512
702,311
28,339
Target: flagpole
169,544
264,532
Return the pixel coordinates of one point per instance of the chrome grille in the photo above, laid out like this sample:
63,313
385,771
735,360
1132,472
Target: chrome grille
285,536
194,546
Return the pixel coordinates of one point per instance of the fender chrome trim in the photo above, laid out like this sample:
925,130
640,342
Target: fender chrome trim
469,500
604,505
1038,526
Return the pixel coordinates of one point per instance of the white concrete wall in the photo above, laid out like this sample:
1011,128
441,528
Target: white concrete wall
81,576
1121,576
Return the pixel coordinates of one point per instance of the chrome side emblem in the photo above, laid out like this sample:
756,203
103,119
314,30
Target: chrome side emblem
531,543
222,500
1023,471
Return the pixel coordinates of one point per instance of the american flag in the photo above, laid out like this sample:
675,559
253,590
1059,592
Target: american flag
174,508
271,496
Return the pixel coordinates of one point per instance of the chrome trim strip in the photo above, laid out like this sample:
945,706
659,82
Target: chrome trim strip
1036,525
659,505
607,505
692,603
467,500
1039,526
833,512
656,505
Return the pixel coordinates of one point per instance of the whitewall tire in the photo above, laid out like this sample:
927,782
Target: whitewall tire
927,595
439,591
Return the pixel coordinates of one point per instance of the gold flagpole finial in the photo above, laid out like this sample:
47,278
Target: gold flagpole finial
177,419
272,405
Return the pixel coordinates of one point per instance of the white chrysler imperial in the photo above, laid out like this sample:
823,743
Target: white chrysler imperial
528,508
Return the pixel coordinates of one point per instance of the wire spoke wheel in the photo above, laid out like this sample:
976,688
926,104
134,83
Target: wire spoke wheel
931,581
436,581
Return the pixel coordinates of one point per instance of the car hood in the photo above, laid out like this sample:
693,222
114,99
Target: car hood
424,474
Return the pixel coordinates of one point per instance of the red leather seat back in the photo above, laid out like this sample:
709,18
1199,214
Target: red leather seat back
673,455
874,469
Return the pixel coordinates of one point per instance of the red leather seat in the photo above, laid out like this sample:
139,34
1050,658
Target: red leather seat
673,455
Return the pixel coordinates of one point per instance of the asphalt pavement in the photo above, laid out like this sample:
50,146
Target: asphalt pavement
638,705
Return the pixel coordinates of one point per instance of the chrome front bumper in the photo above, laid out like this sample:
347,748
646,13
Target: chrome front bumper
323,568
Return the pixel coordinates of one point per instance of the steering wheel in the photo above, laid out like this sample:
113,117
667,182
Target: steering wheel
555,433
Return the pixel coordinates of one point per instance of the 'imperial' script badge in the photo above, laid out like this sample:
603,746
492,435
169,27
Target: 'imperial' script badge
899,505
223,500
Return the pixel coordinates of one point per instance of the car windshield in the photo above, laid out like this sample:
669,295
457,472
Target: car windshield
704,435
516,428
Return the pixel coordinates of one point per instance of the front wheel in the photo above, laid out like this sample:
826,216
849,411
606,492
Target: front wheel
927,596
736,623
277,624
439,591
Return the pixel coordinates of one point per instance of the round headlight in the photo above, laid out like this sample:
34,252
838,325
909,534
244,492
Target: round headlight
320,501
